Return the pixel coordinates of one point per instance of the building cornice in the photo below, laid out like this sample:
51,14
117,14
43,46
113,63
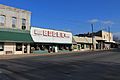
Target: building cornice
13,9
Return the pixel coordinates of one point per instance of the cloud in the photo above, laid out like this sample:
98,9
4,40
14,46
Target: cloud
93,21
108,22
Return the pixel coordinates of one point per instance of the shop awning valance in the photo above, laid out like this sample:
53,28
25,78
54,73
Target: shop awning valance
9,36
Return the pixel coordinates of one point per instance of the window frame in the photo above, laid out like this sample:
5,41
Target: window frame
24,24
2,23
14,23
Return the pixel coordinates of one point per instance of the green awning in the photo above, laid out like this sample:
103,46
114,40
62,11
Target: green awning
10,36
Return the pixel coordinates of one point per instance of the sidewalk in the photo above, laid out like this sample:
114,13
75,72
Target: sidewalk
16,56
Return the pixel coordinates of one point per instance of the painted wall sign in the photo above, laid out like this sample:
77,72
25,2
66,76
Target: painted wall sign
50,36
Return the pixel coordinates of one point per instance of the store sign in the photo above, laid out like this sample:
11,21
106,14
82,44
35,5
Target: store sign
50,36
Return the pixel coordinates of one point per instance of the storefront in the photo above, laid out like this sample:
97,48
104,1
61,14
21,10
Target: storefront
14,42
82,43
46,40
100,44
109,44
104,44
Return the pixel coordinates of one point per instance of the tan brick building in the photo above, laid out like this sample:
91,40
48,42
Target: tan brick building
14,30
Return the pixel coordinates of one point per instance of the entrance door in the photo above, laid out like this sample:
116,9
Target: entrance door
25,48
78,47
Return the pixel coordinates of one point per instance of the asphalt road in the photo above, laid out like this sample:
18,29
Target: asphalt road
98,65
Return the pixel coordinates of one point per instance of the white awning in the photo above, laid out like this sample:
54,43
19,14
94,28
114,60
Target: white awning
110,41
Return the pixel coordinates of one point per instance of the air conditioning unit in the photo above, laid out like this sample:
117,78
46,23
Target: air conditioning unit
23,27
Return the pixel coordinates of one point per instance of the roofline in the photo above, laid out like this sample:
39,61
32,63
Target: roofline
51,29
104,31
19,9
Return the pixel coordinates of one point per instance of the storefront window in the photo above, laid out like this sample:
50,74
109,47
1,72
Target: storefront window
60,47
82,46
18,46
1,46
66,47
14,22
42,47
2,20
97,46
87,46
74,46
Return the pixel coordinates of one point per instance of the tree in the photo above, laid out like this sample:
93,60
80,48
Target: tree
116,38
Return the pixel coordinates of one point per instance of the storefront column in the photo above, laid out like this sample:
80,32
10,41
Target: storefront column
94,43
110,46
85,47
22,48
14,48
101,45
28,48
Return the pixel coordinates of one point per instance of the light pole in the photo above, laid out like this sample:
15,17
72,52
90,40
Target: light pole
109,32
92,26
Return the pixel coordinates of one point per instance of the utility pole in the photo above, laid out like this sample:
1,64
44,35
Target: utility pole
109,32
92,37
109,36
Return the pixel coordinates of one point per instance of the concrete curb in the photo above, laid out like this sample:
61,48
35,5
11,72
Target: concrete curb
17,56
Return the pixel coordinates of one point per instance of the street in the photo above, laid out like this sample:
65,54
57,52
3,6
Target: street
97,65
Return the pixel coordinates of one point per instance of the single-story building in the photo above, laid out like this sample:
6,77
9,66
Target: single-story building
48,40
83,43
